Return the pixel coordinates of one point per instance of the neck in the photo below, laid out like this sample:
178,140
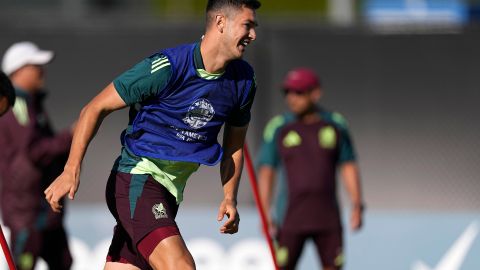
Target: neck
309,116
213,60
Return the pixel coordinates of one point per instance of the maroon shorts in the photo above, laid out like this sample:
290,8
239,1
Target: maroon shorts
145,213
329,244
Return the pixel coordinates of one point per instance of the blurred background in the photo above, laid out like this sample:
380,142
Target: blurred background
405,74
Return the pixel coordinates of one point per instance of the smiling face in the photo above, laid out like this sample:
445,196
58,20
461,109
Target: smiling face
239,31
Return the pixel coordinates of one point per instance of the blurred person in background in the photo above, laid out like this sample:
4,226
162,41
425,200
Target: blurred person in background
32,156
179,99
7,94
308,144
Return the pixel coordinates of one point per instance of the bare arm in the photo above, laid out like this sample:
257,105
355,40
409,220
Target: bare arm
266,182
351,178
230,172
88,123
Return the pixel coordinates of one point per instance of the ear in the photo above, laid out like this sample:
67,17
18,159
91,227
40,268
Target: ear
316,94
220,20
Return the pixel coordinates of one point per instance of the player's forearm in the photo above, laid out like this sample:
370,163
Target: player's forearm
232,161
91,116
266,177
87,126
351,178
230,172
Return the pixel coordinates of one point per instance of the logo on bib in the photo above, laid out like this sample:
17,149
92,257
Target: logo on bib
199,113
159,211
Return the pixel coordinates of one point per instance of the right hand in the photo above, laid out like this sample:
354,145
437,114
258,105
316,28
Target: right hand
356,219
66,183
229,208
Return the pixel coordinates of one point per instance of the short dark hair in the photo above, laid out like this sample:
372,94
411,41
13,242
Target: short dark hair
218,4
214,5
6,89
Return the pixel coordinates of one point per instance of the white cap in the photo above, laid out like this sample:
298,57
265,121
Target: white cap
24,53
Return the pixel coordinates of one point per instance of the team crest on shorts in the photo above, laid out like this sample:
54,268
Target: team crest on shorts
159,211
199,113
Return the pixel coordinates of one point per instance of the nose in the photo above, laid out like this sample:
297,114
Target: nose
252,35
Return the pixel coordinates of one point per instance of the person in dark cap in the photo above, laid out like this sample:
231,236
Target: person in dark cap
32,155
7,94
309,144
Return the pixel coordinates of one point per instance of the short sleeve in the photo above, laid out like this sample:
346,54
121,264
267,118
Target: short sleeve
346,149
145,80
269,150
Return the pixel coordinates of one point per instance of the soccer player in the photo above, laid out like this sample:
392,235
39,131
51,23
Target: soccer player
7,94
309,143
31,157
179,99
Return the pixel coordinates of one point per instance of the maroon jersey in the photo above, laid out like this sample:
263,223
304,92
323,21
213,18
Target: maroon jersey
309,154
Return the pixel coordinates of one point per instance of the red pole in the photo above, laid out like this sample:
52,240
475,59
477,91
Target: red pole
6,250
253,182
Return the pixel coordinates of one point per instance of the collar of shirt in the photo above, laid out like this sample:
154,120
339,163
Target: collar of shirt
200,67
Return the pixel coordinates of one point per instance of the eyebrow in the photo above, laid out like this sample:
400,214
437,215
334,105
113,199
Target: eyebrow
255,23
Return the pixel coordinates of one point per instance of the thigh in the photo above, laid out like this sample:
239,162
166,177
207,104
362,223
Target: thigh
140,205
122,250
290,248
55,249
172,254
330,248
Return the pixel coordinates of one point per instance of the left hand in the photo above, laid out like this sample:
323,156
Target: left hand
229,208
356,218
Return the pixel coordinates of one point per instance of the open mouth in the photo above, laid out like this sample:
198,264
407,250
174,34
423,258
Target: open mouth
244,43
